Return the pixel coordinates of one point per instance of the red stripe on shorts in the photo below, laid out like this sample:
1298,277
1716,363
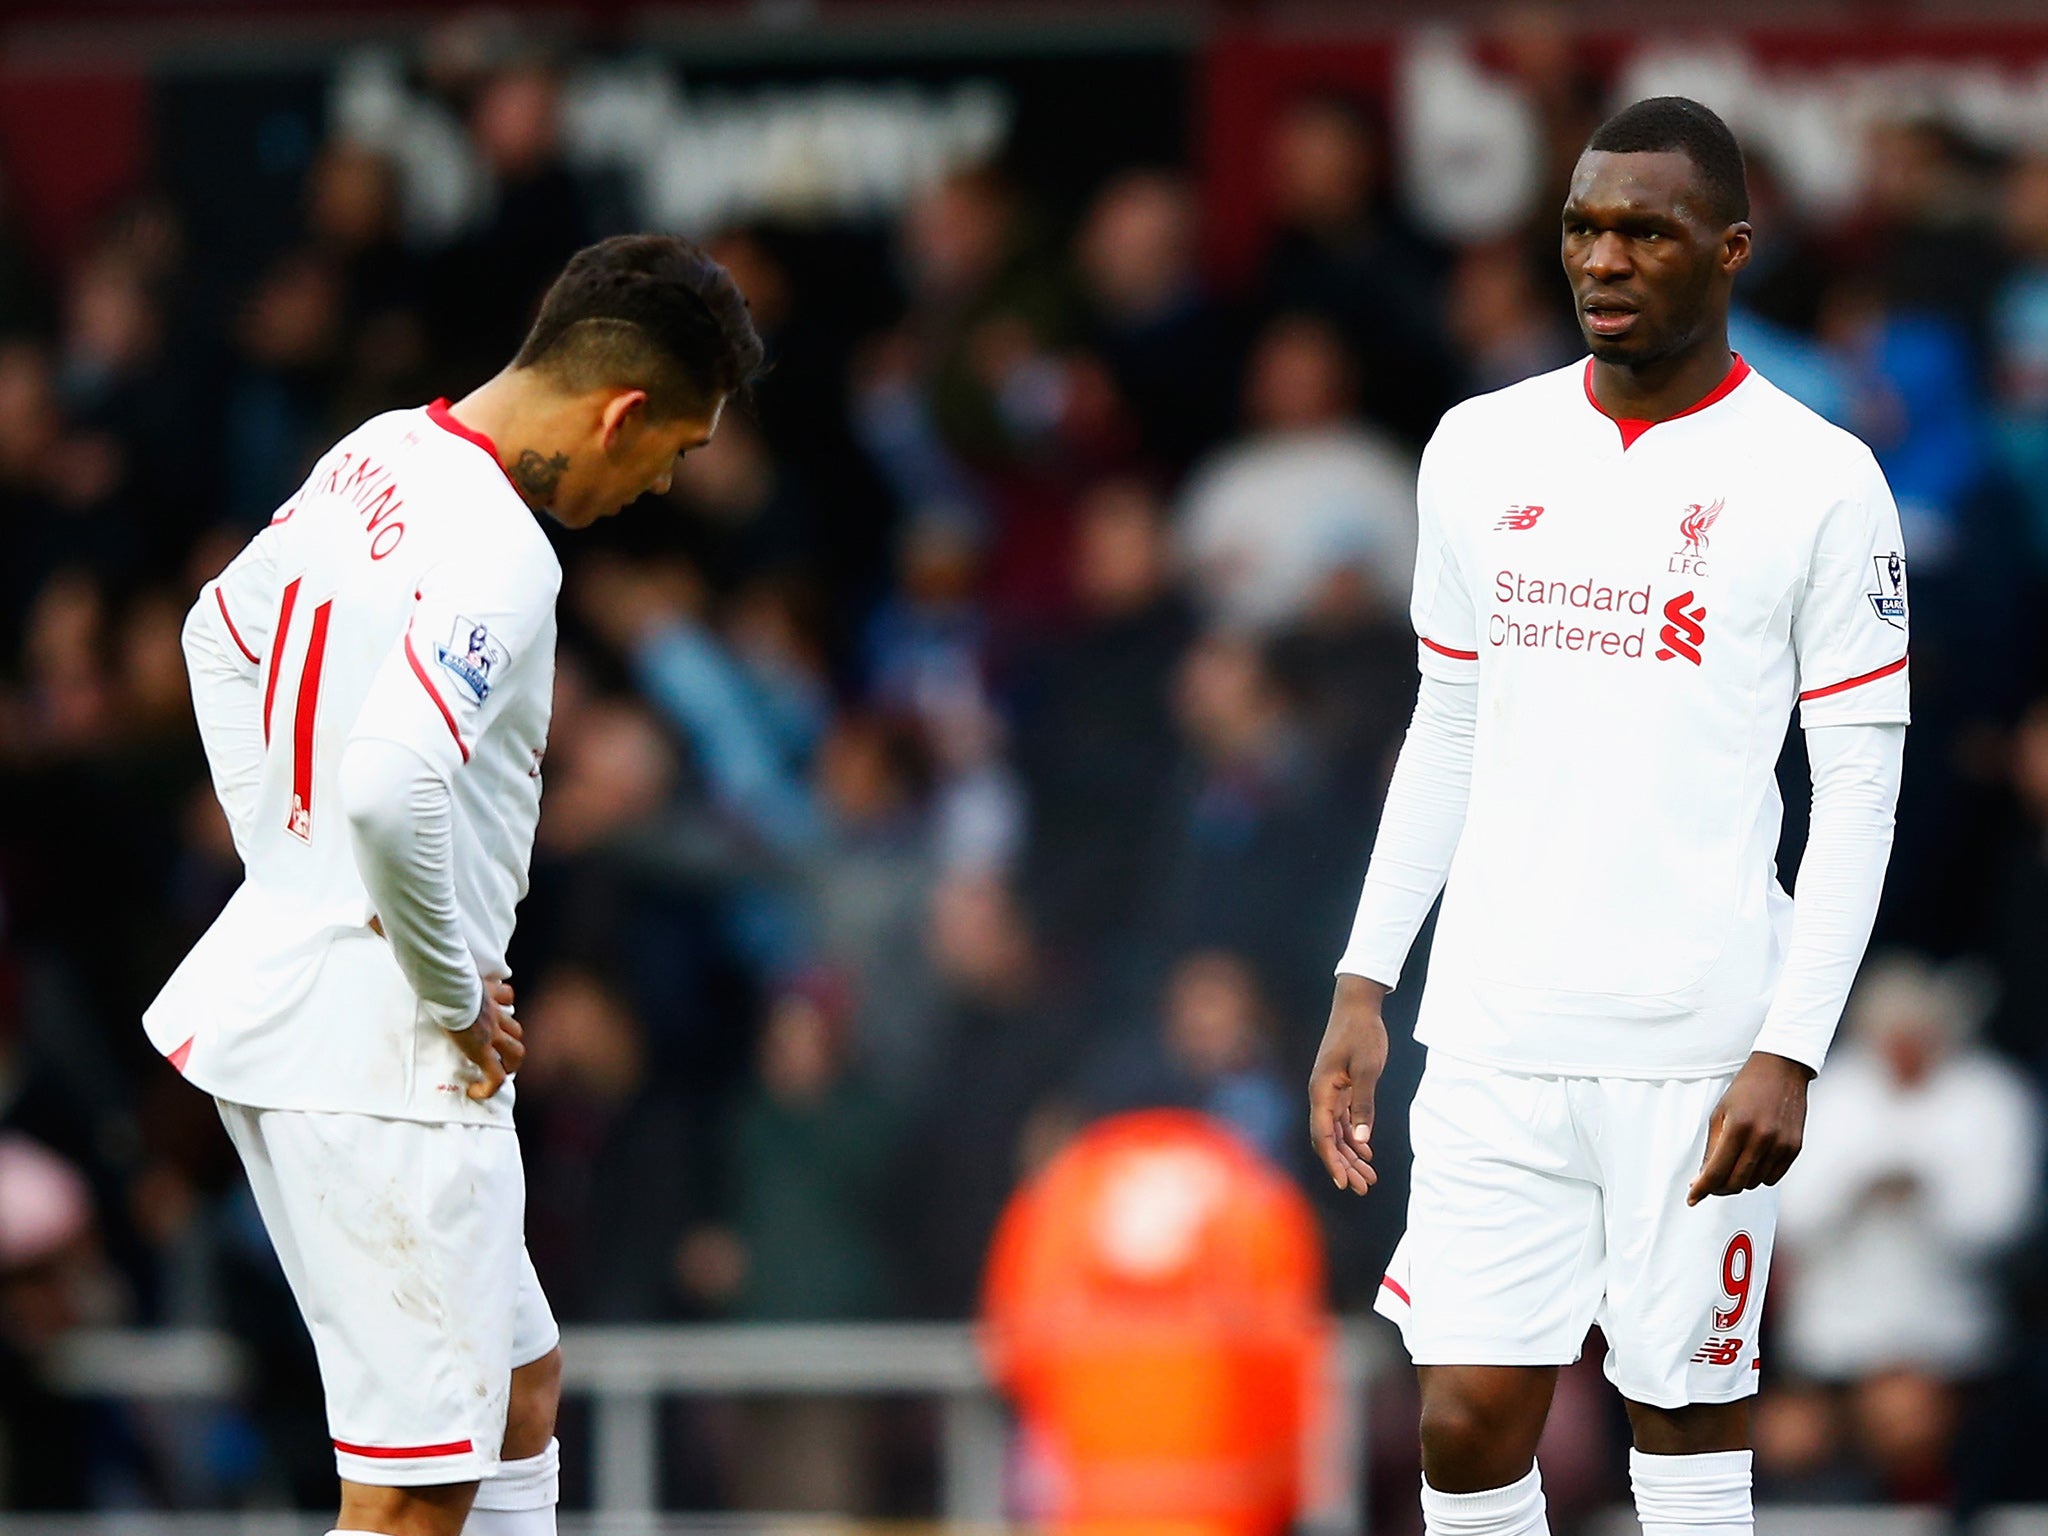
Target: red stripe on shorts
402,1452
1388,1282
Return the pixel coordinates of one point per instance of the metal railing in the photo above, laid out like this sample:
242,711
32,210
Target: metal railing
626,1372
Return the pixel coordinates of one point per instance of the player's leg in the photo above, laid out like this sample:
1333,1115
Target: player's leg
1685,1296
1494,1286
394,1264
438,1511
536,1397
1480,1423
519,1498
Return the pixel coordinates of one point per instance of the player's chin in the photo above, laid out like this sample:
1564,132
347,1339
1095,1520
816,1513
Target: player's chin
1613,349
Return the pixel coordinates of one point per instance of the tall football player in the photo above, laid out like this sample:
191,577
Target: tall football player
372,677
1630,571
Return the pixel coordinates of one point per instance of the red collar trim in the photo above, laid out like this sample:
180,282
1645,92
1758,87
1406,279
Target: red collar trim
441,416
1632,427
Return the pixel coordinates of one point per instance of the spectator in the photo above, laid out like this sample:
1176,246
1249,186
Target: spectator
1095,742
1004,1031
750,728
58,487
927,656
747,515
133,399
352,224
869,885
2019,361
2020,903
1212,1051
806,1157
1308,499
811,323
52,1280
536,214
1929,212
986,312
592,1119
1167,343
289,338
1915,400
1254,855
1922,1165
1505,330
803,1160
1344,251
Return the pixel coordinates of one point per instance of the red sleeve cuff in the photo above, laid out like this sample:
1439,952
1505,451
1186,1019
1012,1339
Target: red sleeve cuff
1847,683
1445,650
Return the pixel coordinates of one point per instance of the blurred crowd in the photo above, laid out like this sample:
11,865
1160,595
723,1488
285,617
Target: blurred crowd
986,734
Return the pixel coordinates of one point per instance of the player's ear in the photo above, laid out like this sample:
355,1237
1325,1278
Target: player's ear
1735,247
624,414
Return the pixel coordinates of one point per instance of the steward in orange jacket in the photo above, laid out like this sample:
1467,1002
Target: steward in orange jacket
1154,1305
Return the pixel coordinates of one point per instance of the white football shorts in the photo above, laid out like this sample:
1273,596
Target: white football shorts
404,1242
1543,1205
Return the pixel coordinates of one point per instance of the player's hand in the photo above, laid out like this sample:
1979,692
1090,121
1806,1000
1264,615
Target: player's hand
1341,1087
1757,1128
494,1043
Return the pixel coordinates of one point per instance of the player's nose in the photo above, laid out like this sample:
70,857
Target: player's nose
1607,257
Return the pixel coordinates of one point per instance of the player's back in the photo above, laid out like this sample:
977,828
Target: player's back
385,598
336,585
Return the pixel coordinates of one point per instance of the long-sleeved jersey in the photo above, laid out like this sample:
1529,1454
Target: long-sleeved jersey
1622,617
373,676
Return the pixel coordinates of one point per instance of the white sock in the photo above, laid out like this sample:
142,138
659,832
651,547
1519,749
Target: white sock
1516,1510
1705,1495
519,1498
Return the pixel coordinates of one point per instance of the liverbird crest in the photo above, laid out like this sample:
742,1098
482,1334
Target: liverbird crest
1694,525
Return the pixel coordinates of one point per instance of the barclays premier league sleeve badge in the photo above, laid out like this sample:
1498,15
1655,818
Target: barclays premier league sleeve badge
1889,600
470,657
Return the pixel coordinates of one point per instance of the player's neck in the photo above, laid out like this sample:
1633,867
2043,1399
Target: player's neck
1666,388
524,422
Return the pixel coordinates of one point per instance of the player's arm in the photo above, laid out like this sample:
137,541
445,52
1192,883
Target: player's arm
1758,1127
433,698
1849,633
226,638
1421,823
401,818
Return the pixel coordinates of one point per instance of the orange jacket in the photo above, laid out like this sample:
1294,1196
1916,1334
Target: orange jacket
1154,1304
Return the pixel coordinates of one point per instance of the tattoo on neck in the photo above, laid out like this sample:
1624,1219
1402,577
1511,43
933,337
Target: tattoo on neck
537,478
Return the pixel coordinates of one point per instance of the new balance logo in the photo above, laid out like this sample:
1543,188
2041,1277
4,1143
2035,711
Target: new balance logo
1519,519
1682,633
1719,1351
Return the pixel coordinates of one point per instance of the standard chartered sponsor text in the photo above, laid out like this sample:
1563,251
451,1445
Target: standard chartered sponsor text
1508,627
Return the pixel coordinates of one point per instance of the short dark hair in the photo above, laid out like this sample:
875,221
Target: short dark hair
1679,123
651,312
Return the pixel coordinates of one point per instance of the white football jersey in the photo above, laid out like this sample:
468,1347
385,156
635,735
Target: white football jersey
1641,606
405,592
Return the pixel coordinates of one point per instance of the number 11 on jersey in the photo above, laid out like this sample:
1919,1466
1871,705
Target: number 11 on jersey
305,711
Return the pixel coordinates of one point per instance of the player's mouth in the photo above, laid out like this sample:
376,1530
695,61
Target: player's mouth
1608,317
